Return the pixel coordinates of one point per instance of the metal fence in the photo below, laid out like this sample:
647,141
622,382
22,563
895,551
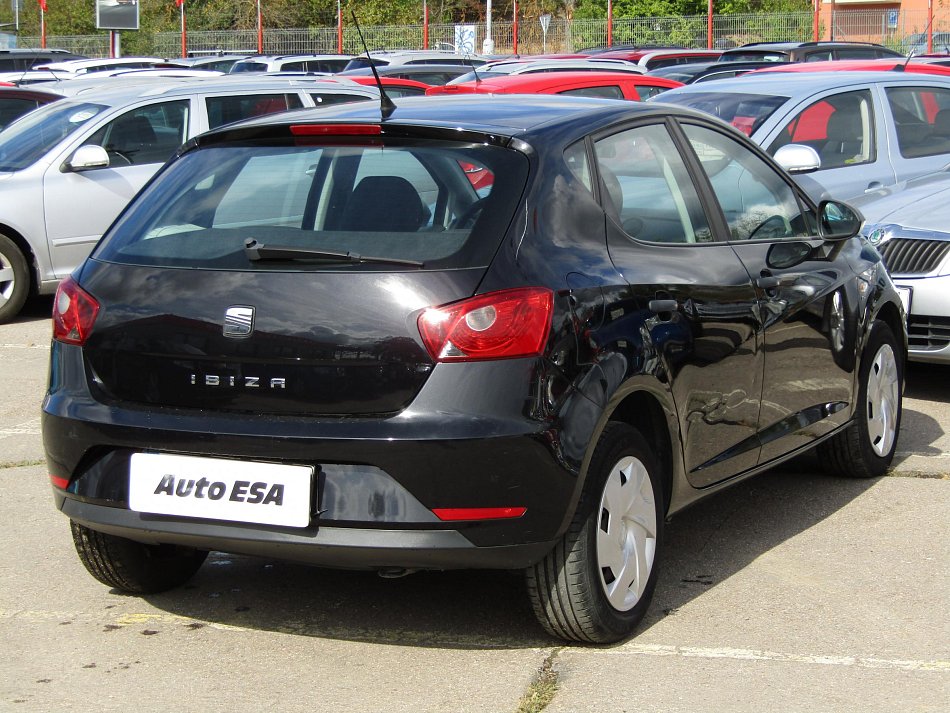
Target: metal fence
883,26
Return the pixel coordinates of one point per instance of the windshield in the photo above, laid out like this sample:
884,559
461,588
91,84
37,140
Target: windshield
25,141
746,112
424,204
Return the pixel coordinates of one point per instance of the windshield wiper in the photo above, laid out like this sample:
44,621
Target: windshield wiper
256,252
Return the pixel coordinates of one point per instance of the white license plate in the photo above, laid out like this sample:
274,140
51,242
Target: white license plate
220,489
905,293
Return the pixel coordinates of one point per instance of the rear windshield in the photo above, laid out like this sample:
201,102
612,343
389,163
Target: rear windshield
746,112
245,66
24,142
434,205
364,63
753,56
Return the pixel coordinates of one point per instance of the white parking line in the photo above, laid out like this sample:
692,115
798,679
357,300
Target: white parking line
758,655
25,346
27,428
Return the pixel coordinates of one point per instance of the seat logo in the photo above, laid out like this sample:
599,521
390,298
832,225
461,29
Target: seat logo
238,321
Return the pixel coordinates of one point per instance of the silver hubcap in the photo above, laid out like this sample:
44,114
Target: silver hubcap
626,533
883,400
7,282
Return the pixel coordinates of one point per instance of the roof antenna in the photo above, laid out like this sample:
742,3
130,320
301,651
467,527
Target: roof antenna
386,106
910,55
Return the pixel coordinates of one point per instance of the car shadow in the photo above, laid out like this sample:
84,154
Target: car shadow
706,545
37,307
927,381
717,538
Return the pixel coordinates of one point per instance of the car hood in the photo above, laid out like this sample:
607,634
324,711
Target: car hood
923,203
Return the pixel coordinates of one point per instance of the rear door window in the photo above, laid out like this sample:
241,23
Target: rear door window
225,109
611,91
922,119
647,187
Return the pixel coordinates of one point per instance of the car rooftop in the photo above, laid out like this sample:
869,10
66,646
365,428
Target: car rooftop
791,83
154,87
506,114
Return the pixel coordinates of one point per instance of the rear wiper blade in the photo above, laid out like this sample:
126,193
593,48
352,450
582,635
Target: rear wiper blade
258,251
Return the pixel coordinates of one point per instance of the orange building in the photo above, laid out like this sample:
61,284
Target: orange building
885,21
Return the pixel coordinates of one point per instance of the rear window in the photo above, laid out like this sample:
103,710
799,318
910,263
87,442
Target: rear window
245,66
753,56
436,205
746,112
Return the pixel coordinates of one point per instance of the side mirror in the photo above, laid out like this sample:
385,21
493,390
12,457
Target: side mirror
86,158
798,158
838,221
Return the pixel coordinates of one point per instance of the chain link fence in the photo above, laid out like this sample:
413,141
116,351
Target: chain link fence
899,30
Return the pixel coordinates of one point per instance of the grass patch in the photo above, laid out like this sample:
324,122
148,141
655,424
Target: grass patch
541,691
22,464
918,474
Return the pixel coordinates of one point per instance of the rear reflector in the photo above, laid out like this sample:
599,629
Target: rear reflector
336,130
496,325
74,313
61,483
454,514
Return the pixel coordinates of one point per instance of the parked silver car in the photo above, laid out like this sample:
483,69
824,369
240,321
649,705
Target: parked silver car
869,129
910,225
69,168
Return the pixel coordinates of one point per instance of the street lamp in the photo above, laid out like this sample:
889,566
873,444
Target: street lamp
488,46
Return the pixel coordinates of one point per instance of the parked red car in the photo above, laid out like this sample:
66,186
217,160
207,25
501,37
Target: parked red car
604,85
656,58
394,87
861,65
15,102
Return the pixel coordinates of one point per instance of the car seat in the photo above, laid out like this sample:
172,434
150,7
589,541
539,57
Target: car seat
843,143
381,203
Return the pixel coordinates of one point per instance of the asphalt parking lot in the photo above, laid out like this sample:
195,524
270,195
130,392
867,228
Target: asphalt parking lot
793,591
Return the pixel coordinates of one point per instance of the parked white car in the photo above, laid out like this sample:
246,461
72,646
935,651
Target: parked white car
69,168
870,130
910,225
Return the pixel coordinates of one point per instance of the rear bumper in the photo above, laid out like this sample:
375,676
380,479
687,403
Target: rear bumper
338,547
378,481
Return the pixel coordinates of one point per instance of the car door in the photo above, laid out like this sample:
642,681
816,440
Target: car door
919,127
847,130
80,205
805,291
691,294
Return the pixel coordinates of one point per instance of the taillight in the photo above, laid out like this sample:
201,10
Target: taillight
336,130
74,313
499,325
61,483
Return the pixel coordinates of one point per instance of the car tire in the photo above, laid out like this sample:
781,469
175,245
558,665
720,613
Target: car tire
14,279
866,447
597,582
132,566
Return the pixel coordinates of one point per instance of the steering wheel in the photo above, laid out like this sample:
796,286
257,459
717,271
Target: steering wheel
124,156
775,226
469,214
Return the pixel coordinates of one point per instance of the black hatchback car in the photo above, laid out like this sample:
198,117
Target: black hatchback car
492,332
